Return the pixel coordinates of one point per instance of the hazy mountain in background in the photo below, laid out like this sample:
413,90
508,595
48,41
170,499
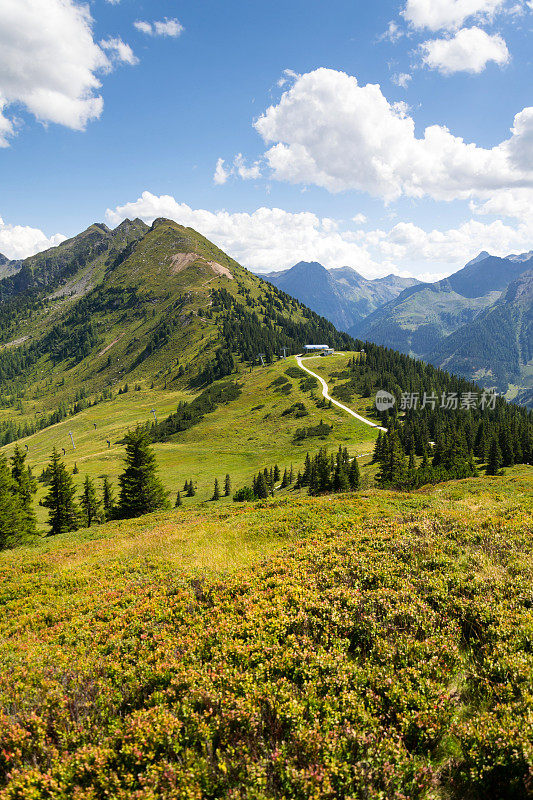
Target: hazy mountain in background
341,295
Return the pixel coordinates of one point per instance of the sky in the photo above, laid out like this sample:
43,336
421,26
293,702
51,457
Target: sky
394,136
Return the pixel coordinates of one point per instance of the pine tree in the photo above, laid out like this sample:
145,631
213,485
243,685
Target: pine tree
25,487
75,469
285,480
60,500
495,458
186,486
276,473
108,498
216,491
227,486
291,476
141,491
89,503
179,501
190,489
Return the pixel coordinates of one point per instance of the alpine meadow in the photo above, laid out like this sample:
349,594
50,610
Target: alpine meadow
266,431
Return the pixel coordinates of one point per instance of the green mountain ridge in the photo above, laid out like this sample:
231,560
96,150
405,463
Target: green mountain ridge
114,305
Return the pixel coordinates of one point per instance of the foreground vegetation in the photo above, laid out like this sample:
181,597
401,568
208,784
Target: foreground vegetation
383,650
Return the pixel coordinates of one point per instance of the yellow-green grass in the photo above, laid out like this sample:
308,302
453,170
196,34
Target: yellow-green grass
209,539
239,438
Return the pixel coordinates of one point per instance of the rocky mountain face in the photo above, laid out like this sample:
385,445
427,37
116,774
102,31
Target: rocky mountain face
341,295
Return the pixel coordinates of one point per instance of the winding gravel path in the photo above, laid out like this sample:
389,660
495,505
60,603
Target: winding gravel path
327,396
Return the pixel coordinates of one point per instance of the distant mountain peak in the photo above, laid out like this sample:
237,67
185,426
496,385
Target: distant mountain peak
3,260
480,257
521,257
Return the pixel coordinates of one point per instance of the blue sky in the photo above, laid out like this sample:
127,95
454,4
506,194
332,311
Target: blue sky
317,114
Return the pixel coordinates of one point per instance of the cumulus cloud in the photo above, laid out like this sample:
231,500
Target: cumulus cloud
166,27
21,241
49,63
469,50
448,14
119,51
329,131
271,238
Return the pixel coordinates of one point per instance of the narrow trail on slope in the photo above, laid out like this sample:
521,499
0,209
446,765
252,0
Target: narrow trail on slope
327,396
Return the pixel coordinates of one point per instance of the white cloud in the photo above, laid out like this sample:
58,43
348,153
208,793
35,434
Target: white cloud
271,238
221,173
469,50
329,131
401,79
166,27
66,41
238,167
393,33
244,172
143,27
49,63
447,14
288,75
21,241
119,51
359,219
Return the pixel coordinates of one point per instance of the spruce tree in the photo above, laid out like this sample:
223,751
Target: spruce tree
495,461
63,515
108,498
276,473
12,515
25,487
227,486
190,489
261,488
89,503
216,491
141,491
354,475
285,480
179,501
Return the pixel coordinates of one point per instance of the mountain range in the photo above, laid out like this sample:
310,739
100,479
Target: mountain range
477,323
341,295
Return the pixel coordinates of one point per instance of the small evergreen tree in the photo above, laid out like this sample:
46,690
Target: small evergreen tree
216,491
12,516
108,498
190,489
227,486
25,487
89,503
141,491
495,461
75,469
179,501
60,500
354,475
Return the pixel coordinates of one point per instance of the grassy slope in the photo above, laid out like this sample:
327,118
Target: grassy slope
384,654
239,438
